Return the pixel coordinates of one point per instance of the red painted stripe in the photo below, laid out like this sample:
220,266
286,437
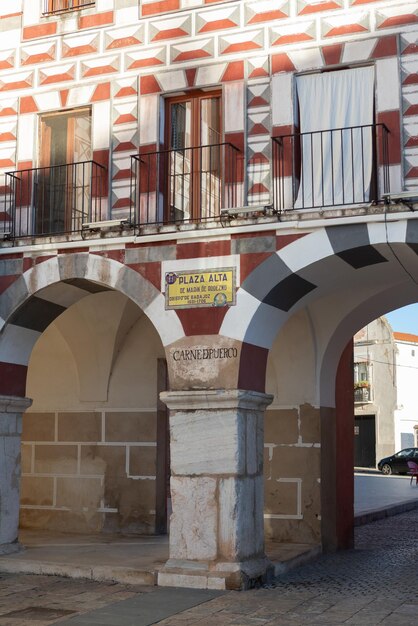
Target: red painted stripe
217,25
268,16
386,47
234,71
284,240
145,63
13,379
40,30
332,54
192,54
170,33
252,369
102,92
5,17
7,111
204,321
392,121
6,281
149,84
295,38
28,105
399,20
72,52
151,244
323,6
161,6
150,271
347,29
203,249
123,42
73,250
11,255
97,71
281,63
115,255
97,19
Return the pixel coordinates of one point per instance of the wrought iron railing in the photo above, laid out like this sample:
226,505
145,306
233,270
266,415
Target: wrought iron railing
52,200
62,6
185,185
362,394
326,168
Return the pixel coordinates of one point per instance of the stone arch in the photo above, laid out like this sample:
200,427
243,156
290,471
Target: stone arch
45,291
361,260
340,277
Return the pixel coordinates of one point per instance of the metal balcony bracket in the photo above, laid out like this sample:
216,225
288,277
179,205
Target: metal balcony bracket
408,198
234,212
105,225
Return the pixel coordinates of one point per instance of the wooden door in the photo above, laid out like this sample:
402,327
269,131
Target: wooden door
364,441
63,180
54,6
194,156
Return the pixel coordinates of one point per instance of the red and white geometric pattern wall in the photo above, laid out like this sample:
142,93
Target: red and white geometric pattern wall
409,69
115,54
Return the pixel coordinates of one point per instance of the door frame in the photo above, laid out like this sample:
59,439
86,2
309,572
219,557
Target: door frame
44,152
195,96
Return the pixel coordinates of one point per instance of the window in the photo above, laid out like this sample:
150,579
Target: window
62,6
405,453
336,118
194,149
63,184
361,372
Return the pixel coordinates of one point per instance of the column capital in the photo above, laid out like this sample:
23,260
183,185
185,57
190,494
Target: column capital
215,399
14,404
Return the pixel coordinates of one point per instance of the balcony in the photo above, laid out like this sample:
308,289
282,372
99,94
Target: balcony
362,392
331,168
188,185
52,200
52,7
201,186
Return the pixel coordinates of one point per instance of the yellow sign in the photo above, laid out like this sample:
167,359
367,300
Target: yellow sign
185,290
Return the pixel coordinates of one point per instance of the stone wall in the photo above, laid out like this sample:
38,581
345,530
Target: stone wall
89,443
292,438
89,471
292,474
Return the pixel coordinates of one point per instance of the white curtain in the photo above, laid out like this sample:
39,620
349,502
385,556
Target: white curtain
336,164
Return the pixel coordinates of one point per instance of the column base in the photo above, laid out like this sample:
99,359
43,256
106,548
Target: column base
10,548
221,575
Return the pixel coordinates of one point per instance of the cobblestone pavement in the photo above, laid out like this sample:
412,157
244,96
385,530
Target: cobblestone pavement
374,584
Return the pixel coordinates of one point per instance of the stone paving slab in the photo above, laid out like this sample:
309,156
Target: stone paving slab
373,584
143,610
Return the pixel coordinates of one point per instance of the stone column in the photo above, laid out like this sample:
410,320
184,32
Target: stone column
11,410
216,528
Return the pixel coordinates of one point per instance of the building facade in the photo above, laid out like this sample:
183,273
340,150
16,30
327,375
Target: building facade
406,414
201,203
376,393
385,375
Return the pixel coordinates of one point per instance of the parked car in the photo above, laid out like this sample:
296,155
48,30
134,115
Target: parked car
398,462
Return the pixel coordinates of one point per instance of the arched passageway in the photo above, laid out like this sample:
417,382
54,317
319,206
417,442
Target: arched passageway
80,344
91,458
305,303
294,316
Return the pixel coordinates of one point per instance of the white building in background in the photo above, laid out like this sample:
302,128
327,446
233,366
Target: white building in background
374,393
385,392
406,412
